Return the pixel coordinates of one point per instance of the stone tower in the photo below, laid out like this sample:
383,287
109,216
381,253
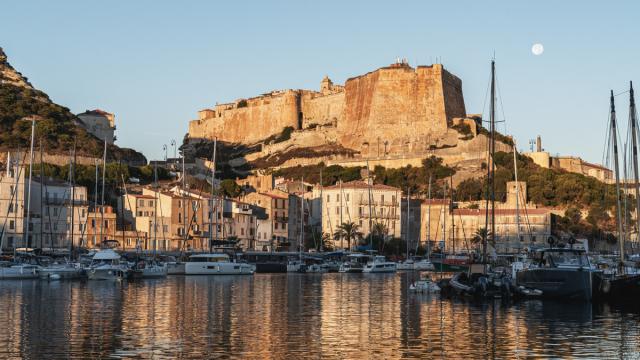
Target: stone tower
326,85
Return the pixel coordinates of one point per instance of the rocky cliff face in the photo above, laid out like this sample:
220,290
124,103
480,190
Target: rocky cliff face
56,127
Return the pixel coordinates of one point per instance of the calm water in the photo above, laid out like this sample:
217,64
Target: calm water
329,316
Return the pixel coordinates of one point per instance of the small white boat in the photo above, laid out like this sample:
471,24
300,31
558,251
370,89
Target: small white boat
316,268
425,286
150,269
407,265
354,264
216,264
423,265
379,264
105,265
19,272
61,271
175,268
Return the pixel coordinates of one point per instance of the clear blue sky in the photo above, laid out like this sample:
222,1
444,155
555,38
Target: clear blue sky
155,64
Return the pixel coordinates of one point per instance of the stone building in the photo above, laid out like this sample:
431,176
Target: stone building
100,123
273,230
362,203
400,103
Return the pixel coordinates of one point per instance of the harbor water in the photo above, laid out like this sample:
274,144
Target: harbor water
296,316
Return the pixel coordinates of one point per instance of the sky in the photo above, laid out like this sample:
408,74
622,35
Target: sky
156,63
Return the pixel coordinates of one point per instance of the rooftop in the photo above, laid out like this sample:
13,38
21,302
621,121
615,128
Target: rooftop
360,184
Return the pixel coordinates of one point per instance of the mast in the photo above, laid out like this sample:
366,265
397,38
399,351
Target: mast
491,196
444,215
369,181
26,240
41,196
95,197
614,137
429,220
72,181
184,205
104,173
155,210
321,199
301,244
408,225
213,180
453,219
515,170
634,139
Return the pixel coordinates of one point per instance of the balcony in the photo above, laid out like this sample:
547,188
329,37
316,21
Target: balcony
377,203
382,216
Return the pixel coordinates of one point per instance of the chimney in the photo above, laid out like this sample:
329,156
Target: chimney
538,144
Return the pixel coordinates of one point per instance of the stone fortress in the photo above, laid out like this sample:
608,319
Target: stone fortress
393,116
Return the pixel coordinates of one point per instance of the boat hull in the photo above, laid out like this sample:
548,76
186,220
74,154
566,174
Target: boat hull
175,268
218,268
107,274
61,273
558,283
18,273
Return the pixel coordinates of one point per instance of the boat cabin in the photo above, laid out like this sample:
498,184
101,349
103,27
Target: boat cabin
562,258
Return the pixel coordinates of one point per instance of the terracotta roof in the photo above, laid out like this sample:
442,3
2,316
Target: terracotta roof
359,184
142,196
502,212
275,196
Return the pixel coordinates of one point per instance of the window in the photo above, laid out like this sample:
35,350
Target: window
11,207
140,202
179,217
328,198
11,189
165,228
275,225
83,213
258,236
337,210
179,204
150,202
338,198
382,198
106,224
55,211
360,210
241,231
146,213
347,195
139,213
12,224
393,199
284,226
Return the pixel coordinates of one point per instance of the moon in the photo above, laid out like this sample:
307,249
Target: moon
537,49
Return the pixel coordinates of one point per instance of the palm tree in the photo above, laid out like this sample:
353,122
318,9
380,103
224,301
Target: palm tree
348,231
481,235
379,231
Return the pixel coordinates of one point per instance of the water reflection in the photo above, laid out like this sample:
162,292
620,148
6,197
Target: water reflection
296,316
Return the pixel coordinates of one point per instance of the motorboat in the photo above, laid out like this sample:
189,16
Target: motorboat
379,264
216,264
424,285
19,272
561,273
106,265
354,264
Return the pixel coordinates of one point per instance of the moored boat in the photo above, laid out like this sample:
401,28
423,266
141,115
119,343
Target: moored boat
106,265
216,264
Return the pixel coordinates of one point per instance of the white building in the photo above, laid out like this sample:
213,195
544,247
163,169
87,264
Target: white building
362,203
99,123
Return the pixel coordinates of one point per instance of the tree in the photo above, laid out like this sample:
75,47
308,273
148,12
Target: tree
348,231
481,235
379,233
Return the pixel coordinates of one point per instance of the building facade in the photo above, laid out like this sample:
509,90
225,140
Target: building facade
100,123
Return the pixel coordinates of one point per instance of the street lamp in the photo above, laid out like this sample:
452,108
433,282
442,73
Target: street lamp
173,143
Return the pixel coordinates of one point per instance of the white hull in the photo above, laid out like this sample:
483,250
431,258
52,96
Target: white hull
154,272
18,273
405,266
424,286
383,267
176,268
107,273
218,268
348,268
423,266
62,272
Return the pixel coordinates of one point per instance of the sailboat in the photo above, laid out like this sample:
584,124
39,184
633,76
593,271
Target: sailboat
67,269
625,286
147,268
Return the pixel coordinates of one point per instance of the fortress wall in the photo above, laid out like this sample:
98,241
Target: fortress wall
452,92
323,109
259,119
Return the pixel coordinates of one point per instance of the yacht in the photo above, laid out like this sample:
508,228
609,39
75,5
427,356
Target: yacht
379,264
106,265
216,264
354,264
295,266
407,265
561,273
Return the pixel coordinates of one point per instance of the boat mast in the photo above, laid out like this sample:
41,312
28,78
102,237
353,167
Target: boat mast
408,225
634,139
72,181
155,210
321,198
104,173
301,244
25,239
453,219
429,220
369,181
213,181
614,137
490,200
41,196
515,170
